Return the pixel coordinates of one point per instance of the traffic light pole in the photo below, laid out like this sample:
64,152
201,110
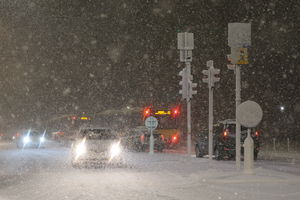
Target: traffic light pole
238,125
185,43
210,79
189,120
210,122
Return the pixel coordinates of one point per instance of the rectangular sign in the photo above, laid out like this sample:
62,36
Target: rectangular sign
162,112
239,34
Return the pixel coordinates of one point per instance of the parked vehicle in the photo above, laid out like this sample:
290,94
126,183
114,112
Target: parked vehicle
224,141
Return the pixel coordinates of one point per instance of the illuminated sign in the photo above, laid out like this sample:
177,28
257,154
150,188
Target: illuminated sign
162,112
84,118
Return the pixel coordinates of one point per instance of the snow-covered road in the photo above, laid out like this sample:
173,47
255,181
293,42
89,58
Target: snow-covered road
47,174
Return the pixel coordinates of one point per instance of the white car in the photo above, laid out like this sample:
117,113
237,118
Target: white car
96,147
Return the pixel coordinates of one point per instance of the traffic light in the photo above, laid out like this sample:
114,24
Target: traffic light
206,78
230,64
192,86
210,74
184,83
213,73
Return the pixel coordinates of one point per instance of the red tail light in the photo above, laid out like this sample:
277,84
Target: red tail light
175,112
142,138
174,138
226,133
147,112
73,118
256,133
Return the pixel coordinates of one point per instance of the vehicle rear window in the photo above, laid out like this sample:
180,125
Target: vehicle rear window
231,128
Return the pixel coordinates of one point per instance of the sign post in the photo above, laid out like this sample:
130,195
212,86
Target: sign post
239,38
151,123
249,114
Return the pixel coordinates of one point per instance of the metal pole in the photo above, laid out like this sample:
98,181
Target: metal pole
238,125
188,102
210,121
151,142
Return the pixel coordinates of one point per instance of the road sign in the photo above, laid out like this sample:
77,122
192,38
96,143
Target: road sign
239,34
249,114
151,123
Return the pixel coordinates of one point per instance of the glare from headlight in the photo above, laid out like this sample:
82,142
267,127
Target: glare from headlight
115,150
80,149
42,139
26,139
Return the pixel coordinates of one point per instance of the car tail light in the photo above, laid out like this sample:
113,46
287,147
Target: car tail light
256,133
174,138
142,138
146,112
226,133
175,112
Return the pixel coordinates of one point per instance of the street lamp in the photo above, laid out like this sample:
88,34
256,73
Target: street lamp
281,108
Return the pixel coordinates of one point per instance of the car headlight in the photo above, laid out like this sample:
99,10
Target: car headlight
26,139
42,139
115,150
80,149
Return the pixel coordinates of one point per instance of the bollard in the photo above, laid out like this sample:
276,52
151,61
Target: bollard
248,153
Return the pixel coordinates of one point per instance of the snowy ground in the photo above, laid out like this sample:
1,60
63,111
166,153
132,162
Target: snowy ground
47,174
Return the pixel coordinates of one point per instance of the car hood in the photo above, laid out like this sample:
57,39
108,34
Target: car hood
99,145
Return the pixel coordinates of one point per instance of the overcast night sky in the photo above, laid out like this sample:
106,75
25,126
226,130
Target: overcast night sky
64,57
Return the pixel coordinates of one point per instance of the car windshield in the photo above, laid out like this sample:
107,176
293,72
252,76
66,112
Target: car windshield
98,134
32,133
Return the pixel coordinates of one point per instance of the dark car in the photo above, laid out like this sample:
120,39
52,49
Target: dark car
138,139
224,141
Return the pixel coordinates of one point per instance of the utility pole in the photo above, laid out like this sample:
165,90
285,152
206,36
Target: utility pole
210,79
185,42
239,38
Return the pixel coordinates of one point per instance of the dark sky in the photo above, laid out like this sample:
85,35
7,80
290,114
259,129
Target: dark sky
64,57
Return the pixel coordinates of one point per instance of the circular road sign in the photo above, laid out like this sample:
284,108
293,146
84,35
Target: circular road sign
249,114
151,123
